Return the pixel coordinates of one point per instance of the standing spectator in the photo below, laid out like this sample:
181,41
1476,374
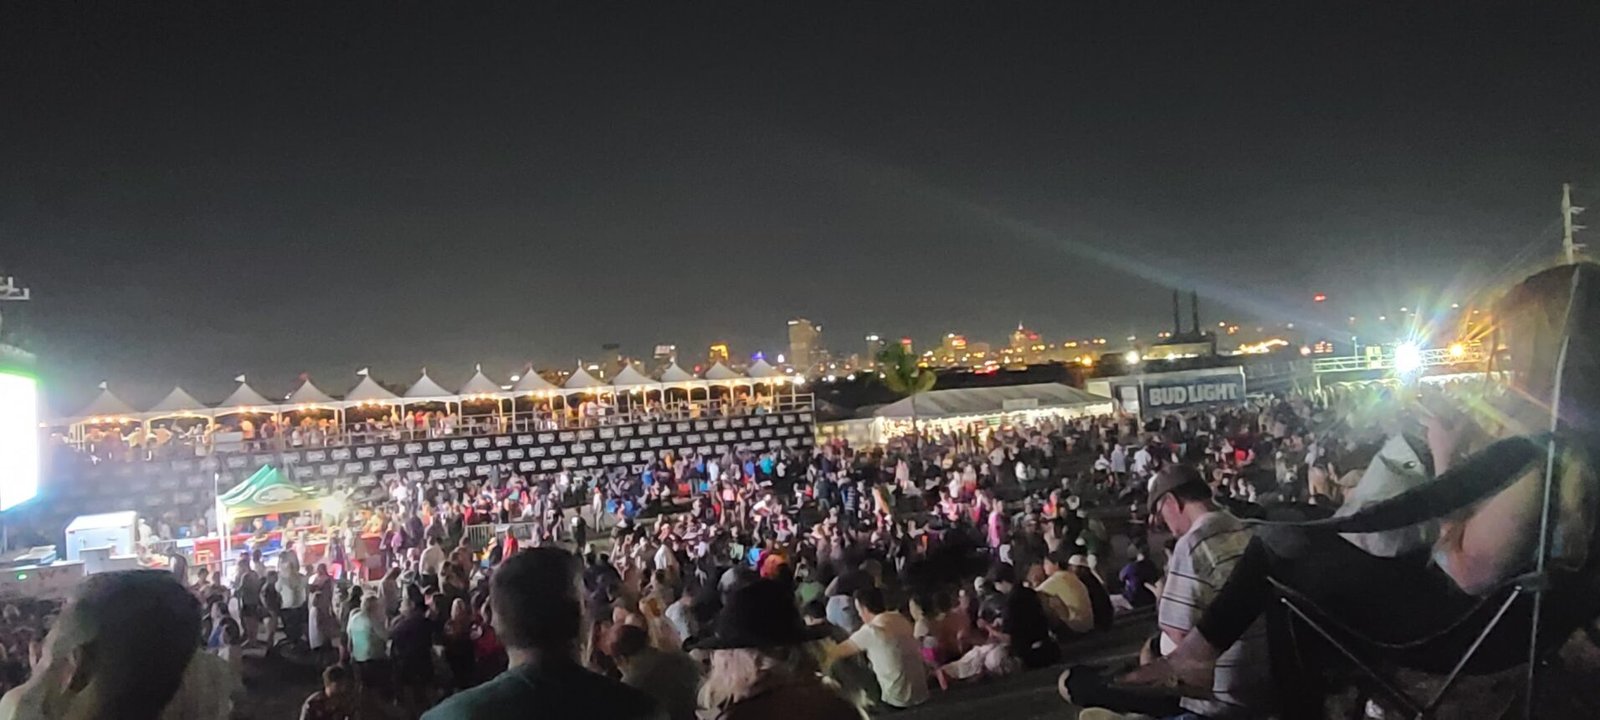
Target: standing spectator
369,640
458,648
890,643
411,647
324,629
247,587
538,613
293,591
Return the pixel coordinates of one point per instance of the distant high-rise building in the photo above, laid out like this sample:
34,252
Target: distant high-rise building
874,349
664,356
717,354
803,343
1022,338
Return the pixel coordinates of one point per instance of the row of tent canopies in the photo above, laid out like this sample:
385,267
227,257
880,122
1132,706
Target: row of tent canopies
245,399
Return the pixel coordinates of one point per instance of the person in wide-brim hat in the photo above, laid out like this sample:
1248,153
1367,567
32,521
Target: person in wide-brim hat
760,614
761,668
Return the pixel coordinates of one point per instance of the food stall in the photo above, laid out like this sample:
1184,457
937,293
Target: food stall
265,510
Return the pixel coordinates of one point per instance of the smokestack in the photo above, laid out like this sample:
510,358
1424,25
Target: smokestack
1177,324
1194,305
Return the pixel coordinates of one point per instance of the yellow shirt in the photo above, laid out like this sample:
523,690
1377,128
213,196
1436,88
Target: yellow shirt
1067,588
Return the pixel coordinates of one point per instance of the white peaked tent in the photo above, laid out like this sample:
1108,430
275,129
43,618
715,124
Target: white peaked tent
244,396
480,384
630,377
532,382
675,374
582,380
426,389
105,404
762,369
308,394
368,390
721,372
177,402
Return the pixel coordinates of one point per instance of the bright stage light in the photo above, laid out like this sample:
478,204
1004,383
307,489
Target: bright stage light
1132,357
19,440
1458,350
1407,358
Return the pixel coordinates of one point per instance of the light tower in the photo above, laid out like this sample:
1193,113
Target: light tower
10,291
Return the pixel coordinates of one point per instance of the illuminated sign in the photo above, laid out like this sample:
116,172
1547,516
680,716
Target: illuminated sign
19,439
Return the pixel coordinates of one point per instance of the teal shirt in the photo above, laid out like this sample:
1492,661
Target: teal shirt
367,641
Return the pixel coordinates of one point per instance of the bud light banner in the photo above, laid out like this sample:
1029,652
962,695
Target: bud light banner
1187,391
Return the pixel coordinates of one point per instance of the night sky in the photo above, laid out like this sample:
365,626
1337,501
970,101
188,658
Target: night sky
193,194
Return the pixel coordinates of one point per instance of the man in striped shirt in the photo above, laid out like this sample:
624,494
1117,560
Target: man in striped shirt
1210,543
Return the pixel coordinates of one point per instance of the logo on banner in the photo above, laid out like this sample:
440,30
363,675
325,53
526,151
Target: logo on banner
275,494
1195,393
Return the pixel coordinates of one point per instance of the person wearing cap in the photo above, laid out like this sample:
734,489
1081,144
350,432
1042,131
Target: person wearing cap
761,667
1209,544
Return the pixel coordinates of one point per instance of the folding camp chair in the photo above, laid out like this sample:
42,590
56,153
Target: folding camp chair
1359,650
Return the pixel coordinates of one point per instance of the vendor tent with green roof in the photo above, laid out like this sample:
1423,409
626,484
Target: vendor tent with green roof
267,492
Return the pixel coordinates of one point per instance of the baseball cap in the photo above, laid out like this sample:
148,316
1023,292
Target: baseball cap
1171,478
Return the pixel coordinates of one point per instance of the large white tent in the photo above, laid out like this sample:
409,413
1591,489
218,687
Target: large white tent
630,377
985,401
177,402
480,384
762,369
243,399
368,391
105,404
722,372
582,380
425,389
308,394
675,374
532,383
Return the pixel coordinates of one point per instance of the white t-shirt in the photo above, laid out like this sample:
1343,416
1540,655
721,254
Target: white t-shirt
1200,565
1141,460
432,560
890,644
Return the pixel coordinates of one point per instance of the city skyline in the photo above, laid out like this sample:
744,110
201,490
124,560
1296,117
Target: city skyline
193,194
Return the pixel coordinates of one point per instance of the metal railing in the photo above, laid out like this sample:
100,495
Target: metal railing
1431,357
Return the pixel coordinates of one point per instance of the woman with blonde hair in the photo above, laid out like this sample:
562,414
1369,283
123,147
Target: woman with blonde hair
761,664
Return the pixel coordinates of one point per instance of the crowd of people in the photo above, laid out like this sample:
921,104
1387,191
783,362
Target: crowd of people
845,581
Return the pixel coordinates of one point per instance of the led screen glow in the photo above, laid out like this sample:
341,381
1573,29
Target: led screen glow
19,440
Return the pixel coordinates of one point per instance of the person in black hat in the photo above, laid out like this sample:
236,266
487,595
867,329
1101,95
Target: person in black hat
760,665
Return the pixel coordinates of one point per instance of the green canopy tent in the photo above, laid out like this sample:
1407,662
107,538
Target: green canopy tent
267,492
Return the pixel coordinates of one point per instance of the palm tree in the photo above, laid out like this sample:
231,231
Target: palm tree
902,375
